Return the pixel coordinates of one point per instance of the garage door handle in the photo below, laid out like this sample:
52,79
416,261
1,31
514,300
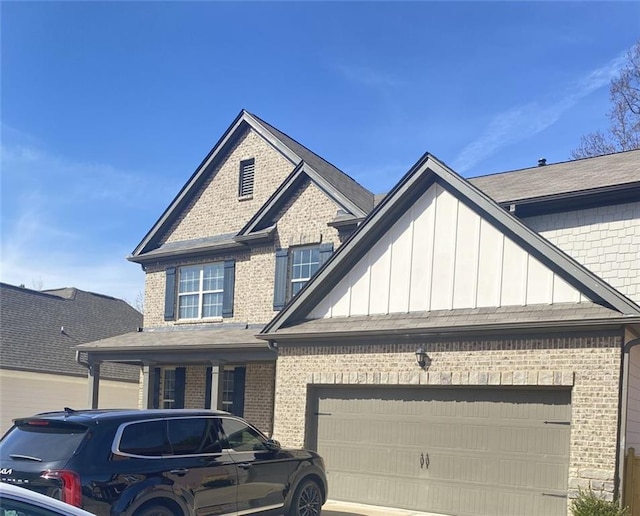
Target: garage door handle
181,472
424,460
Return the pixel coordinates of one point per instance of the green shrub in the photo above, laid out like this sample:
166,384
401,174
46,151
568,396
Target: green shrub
590,504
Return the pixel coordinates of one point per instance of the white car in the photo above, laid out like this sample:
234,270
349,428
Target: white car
17,501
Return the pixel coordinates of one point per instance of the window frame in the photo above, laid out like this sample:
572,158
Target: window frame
291,281
164,400
201,292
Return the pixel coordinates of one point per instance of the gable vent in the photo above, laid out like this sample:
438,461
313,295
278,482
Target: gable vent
247,170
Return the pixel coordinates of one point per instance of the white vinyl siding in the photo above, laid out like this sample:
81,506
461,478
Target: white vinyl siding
440,255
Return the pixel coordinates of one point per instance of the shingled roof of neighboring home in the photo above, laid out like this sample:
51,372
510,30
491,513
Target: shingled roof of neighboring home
602,174
354,195
38,329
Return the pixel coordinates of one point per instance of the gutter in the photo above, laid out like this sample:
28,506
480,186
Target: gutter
450,331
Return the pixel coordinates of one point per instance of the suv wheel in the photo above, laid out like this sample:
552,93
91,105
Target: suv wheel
155,510
307,500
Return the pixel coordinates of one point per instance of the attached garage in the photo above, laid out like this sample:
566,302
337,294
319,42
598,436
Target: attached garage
480,451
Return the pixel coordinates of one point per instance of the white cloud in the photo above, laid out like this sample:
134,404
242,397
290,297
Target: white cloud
521,122
68,224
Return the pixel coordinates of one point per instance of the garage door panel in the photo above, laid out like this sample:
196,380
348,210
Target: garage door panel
456,451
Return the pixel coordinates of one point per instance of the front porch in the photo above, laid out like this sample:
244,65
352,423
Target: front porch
224,368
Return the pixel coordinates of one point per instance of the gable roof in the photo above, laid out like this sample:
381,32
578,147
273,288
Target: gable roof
264,217
603,177
351,194
39,329
427,171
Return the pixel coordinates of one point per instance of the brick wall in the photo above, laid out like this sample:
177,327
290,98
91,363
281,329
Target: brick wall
258,397
216,209
590,365
606,240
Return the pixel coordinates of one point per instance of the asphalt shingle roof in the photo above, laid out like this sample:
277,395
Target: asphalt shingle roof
342,182
455,320
560,178
38,330
180,339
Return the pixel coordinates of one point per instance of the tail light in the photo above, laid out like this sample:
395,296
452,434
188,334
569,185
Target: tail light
71,490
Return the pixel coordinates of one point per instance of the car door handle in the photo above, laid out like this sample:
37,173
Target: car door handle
244,465
181,472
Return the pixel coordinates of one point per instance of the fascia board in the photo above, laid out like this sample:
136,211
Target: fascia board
457,330
197,251
285,190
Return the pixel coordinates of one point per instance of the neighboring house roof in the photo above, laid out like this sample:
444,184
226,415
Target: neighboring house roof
338,185
427,171
602,178
38,329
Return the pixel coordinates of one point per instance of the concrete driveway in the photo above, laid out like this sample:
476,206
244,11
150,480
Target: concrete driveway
333,508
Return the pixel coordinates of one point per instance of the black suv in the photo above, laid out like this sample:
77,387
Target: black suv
160,463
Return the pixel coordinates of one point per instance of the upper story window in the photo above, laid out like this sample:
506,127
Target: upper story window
294,268
304,264
200,291
247,174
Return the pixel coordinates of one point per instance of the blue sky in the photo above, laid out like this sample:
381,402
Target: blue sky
107,108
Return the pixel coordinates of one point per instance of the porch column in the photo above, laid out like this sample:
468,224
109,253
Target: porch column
217,376
148,387
94,384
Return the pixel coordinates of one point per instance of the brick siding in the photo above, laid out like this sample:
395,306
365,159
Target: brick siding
589,365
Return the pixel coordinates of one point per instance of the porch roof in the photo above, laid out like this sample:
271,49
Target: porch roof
181,345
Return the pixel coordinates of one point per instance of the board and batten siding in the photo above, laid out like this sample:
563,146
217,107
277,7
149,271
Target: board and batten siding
441,255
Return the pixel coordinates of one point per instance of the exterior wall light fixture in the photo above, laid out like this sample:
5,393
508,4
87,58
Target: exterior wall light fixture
422,358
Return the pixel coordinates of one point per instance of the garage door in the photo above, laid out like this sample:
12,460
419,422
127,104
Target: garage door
454,451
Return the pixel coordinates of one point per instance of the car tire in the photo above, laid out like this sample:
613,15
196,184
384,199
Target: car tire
307,499
155,510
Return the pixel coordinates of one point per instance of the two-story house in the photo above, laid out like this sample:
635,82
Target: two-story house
469,347
251,226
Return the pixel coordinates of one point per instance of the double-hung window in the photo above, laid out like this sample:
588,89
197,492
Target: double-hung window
295,267
200,291
197,292
304,264
169,389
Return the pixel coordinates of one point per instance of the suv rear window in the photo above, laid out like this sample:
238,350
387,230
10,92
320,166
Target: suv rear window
48,441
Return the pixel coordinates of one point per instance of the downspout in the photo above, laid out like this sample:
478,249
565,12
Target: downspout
624,388
79,360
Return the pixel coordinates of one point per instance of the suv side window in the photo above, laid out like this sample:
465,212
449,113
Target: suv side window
241,437
145,438
194,436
